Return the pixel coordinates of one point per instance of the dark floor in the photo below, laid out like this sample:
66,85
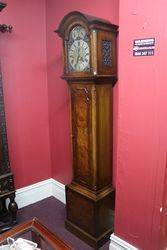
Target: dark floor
51,213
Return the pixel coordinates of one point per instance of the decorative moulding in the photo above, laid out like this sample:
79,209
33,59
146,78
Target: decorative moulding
33,193
117,243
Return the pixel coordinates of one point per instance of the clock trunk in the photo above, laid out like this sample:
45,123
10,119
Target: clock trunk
90,196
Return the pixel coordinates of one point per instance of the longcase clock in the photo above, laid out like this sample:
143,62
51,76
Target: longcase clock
89,50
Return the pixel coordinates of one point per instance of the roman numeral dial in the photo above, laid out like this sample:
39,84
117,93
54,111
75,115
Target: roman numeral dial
79,55
78,50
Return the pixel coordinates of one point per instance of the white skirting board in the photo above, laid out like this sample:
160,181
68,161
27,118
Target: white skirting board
117,243
39,191
58,191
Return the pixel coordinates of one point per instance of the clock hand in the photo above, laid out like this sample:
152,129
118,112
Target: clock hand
81,58
80,52
78,56
77,60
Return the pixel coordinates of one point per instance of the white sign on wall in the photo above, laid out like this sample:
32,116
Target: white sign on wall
144,47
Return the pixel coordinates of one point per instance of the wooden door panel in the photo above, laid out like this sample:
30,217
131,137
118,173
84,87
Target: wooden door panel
81,130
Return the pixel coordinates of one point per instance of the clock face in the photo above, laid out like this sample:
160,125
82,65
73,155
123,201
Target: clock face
78,50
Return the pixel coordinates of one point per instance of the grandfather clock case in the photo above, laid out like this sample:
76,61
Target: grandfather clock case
89,49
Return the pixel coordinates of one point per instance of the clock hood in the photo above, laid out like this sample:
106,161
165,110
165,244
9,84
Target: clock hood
91,22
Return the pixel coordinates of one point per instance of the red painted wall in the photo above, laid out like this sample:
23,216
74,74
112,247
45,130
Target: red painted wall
23,60
57,88
142,133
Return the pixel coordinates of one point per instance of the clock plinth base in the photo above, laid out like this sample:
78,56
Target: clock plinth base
96,243
90,216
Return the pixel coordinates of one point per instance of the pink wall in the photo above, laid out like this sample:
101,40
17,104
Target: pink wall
57,88
23,59
142,133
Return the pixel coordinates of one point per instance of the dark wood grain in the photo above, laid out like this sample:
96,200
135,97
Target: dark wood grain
91,196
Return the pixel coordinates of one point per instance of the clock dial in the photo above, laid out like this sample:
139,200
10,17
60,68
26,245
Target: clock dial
78,50
79,55
78,32
82,33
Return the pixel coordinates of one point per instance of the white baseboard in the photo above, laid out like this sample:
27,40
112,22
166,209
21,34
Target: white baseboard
39,191
58,191
117,243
